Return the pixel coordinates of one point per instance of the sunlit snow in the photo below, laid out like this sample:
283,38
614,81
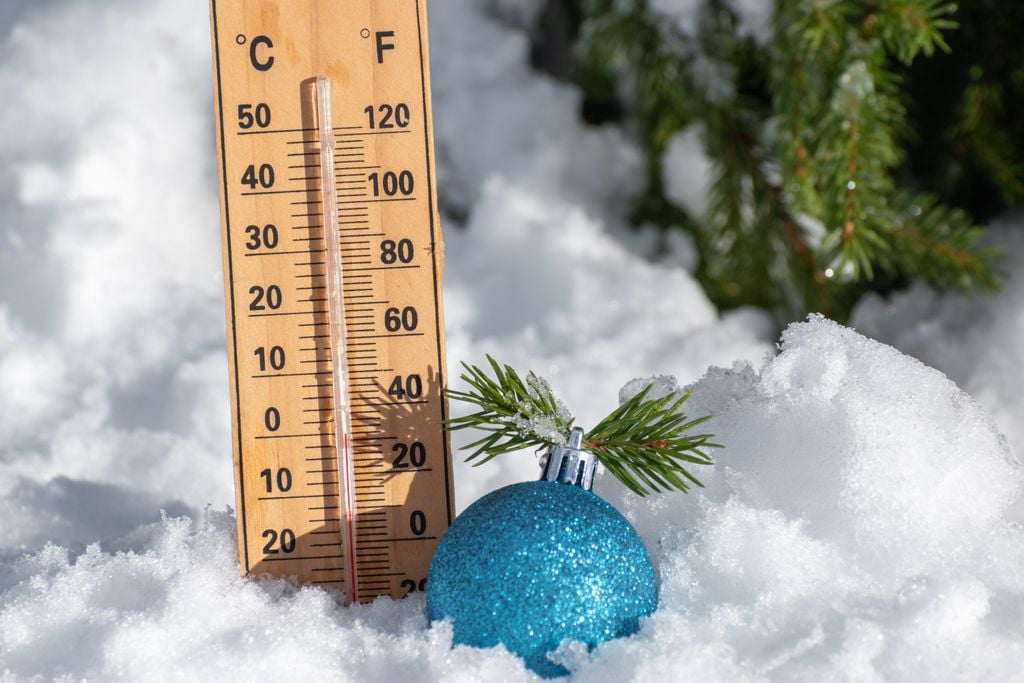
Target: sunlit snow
861,523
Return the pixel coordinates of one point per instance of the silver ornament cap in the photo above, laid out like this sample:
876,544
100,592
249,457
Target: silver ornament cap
570,464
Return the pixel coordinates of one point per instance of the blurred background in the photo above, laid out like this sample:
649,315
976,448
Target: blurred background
853,147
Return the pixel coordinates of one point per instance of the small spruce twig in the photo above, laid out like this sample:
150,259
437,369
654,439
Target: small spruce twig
517,414
643,442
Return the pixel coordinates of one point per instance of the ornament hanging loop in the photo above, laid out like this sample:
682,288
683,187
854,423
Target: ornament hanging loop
570,464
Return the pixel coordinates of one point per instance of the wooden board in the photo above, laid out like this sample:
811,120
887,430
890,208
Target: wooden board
293,520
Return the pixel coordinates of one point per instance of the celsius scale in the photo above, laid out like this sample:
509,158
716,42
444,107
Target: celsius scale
332,259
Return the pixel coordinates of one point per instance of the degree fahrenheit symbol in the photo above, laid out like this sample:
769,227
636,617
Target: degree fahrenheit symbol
365,33
383,44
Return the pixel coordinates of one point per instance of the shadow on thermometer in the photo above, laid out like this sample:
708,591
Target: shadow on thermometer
405,486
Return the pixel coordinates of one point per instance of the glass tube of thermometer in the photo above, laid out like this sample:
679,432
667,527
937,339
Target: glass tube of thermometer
336,312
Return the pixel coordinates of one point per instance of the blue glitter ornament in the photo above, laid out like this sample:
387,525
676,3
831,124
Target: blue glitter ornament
534,563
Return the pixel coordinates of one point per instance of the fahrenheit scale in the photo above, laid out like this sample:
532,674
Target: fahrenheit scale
332,261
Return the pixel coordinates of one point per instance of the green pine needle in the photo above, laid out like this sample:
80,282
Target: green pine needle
643,442
517,413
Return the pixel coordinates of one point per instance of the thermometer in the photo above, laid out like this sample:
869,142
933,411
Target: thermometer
333,259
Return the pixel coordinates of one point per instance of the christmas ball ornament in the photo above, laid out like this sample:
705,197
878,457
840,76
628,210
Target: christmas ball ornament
537,562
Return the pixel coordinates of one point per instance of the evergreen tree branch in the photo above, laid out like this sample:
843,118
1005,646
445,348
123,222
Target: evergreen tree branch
911,27
980,108
517,414
940,245
643,442
856,153
807,135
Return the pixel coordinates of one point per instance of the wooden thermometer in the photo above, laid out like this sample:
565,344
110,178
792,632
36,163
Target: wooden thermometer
332,261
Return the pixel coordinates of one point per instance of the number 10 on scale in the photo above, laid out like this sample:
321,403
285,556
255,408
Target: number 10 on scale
333,260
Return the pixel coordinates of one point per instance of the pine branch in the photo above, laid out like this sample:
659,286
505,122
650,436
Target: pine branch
911,27
808,133
940,245
979,129
856,154
642,442
518,414
822,25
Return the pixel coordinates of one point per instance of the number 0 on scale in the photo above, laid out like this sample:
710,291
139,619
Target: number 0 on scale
332,259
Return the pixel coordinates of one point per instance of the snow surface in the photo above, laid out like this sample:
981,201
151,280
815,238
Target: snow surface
855,526
980,347
688,171
753,17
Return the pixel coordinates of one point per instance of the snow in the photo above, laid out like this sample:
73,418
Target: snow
855,523
684,14
856,526
978,346
688,171
754,17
